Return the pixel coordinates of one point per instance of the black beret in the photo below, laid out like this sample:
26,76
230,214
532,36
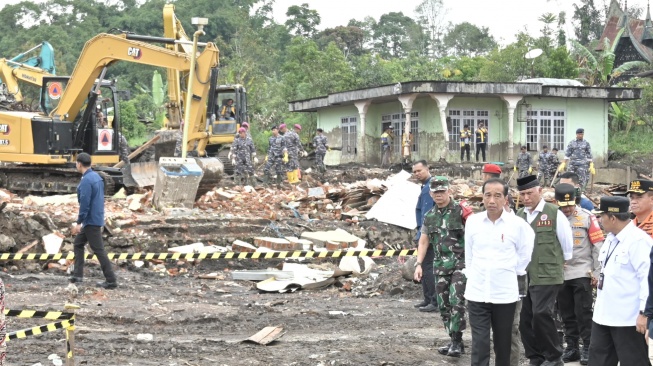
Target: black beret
580,130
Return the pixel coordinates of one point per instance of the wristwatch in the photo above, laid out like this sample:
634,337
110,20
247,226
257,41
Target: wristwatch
642,313
418,264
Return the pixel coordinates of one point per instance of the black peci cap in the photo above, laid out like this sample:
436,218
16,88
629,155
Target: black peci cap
527,183
613,204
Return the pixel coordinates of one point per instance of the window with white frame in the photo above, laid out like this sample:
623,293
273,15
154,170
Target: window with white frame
349,135
545,127
458,118
397,121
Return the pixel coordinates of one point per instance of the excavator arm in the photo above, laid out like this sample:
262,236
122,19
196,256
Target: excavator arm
104,49
12,72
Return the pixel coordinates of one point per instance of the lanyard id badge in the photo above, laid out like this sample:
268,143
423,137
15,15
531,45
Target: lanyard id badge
599,285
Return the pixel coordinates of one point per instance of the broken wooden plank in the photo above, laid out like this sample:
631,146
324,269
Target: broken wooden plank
266,335
139,150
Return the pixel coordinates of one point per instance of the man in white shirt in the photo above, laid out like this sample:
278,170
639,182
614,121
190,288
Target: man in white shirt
498,247
553,246
622,289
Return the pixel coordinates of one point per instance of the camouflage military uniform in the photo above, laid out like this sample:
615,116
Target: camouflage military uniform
275,155
320,145
553,164
242,151
543,161
445,230
123,148
524,161
294,146
579,153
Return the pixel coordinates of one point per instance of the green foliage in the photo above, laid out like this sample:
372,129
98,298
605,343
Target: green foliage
634,144
560,65
131,127
588,22
302,20
599,70
466,39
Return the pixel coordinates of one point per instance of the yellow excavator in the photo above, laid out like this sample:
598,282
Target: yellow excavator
223,120
39,149
30,71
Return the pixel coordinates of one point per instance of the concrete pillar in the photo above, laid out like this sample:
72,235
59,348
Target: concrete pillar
442,101
407,103
511,101
362,106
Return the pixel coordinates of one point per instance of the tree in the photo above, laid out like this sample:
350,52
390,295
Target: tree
302,20
588,22
392,34
560,65
466,39
431,15
562,36
546,40
349,39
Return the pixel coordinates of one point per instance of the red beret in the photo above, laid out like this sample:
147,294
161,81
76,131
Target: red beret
283,125
299,127
245,124
242,129
491,168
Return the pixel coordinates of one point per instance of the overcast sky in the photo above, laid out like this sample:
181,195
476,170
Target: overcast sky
504,18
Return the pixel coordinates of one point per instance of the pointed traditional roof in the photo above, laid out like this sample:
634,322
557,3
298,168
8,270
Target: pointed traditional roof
647,38
619,27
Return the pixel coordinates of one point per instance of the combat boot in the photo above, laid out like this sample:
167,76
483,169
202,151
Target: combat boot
457,346
238,180
279,181
585,353
266,179
444,350
571,353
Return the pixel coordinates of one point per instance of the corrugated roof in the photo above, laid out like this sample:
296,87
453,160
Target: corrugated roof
635,31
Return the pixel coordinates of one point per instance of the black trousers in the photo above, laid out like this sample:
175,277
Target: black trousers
536,325
480,146
464,149
612,345
428,277
93,236
482,317
575,304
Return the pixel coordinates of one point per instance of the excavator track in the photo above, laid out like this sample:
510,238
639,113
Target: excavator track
40,179
223,157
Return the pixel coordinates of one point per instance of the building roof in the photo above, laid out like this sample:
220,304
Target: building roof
388,93
622,28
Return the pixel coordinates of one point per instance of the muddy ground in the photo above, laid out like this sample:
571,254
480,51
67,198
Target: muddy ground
202,322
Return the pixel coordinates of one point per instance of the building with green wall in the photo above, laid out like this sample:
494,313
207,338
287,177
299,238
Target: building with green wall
534,114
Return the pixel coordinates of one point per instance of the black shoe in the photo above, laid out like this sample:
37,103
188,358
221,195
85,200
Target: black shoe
457,349
430,308
444,350
585,354
421,304
73,279
571,355
535,362
107,285
556,362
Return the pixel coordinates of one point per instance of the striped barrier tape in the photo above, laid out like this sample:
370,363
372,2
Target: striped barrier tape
50,315
225,255
40,329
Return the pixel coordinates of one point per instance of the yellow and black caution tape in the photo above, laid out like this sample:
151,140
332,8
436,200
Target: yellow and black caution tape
40,329
225,255
50,315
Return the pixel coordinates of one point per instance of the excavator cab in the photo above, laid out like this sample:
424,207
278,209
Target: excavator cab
96,127
230,103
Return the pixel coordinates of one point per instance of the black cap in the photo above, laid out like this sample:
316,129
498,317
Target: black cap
84,159
527,182
565,194
545,147
640,186
580,130
613,204
274,128
320,130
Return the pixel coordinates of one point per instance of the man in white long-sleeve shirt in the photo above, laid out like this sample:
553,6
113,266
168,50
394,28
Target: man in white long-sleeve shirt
553,246
619,321
498,247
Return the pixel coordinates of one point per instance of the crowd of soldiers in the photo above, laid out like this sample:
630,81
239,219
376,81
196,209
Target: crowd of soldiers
284,151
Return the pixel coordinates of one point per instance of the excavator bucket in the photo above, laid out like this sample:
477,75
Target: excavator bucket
140,174
145,174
